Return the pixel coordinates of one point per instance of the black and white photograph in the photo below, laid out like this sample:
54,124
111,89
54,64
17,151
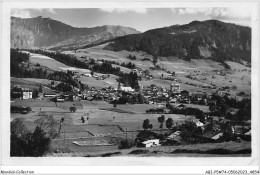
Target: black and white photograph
149,82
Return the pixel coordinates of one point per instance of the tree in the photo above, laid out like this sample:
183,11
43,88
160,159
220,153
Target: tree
40,88
146,124
73,109
189,128
150,126
82,119
155,59
161,121
140,98
200,115
48,124
35,93
17,127
169,123
24,143
125,144
212,108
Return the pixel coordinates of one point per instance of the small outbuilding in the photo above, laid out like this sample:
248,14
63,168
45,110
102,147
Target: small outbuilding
151,143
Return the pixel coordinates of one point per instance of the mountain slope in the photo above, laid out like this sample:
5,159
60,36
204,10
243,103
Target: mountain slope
46,32
207,39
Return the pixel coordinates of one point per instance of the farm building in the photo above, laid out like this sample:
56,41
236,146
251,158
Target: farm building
54,83
27,94
87,75
206,86
151,143
216,137
126,89
175,88
174,135
174,138
222,93
49,95
18,92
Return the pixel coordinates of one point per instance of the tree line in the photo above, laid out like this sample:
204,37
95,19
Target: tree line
106,67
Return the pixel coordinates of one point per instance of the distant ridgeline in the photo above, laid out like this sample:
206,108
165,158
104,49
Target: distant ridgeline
211,39
42,32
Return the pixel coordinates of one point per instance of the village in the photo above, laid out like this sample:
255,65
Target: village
202,119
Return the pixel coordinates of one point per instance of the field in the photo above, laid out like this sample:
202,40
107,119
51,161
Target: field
101,122
166,151
108,125
201,70
104,125
53,64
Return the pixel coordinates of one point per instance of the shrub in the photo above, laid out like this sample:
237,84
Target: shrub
169,123
139,151
29,109
24,143
146,124
125,144
155,111
73,109
226,66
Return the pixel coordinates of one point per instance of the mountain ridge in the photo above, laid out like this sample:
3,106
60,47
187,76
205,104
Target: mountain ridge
46,32
213,39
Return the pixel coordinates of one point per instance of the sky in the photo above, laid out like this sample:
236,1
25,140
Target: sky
142,19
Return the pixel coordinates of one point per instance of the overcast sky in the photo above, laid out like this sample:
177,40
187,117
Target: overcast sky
141,19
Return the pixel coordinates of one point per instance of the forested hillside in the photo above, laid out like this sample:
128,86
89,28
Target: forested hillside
207,39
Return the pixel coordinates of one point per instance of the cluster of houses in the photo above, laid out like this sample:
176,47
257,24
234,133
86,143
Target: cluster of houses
156,95
219,127
151,94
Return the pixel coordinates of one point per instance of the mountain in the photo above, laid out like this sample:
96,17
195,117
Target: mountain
211,39
45,32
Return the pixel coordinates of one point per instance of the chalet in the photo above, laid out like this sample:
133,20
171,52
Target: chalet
179,106
59,99
27,94
222,93
175,88
217,136
87,75
54,83
174,135
199,124
127,89
135,70
18,92
206,86
151,143
49,95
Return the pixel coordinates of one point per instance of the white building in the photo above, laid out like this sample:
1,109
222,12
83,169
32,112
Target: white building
87,74
173,135
127,89
27,94
199,124
151,143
